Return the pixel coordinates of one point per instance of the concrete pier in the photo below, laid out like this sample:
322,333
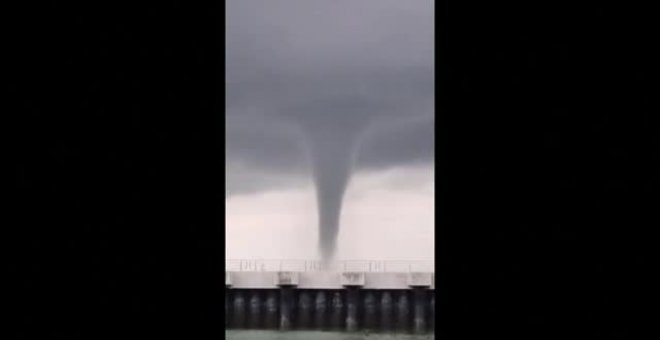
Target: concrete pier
351,301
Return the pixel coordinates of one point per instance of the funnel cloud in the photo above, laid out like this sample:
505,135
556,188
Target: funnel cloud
319,89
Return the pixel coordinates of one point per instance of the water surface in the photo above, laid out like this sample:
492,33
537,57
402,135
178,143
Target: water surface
303,335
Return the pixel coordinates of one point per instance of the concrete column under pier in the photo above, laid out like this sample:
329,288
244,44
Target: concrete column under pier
432,312
227,299
402,311
227,314
352,301
286,281
370,311
320,306
286,302
272,303
304,318
352,282
337,311
419,313
238,313
386,309
254,316
420,282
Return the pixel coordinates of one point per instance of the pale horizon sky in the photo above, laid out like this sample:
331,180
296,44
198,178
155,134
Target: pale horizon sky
389,215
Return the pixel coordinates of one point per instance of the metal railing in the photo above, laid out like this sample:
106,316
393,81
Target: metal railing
367,266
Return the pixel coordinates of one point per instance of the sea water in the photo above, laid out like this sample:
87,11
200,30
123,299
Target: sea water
312,335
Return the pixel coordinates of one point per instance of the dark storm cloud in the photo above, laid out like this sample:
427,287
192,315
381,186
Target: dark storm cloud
346,83
325,62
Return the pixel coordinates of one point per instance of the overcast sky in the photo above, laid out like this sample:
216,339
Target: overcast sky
330,67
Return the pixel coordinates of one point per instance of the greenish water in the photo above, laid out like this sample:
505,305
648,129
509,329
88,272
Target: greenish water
302,335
